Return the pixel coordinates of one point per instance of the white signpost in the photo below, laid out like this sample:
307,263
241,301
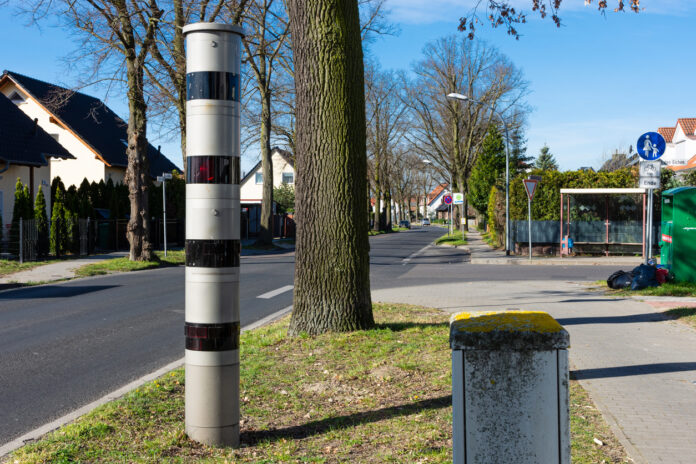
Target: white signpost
651,146
530,186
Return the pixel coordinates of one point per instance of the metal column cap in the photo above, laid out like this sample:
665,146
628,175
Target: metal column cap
207,27
507,331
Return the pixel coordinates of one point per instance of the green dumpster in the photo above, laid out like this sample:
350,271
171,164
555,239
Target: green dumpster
678,244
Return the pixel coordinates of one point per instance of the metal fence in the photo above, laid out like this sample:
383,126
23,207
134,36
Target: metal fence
81,237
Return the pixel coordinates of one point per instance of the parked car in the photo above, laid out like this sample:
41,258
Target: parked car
426,222
405,224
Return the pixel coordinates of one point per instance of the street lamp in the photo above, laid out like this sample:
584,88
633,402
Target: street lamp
459,96
163,178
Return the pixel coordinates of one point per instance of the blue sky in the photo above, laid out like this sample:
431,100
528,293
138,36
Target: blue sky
596,83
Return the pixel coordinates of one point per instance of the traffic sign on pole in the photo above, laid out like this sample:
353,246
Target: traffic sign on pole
458,198
651,146
530,185
447,199
650,174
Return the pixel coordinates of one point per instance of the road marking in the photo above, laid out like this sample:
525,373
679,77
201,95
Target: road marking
276,292
414,255
61,421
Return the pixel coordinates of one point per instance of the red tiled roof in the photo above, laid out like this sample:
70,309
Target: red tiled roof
688,125
436,191
667,133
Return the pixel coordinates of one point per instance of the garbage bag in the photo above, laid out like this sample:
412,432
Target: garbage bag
620,279
644,276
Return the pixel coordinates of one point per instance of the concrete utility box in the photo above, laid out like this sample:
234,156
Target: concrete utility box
509,388
678,245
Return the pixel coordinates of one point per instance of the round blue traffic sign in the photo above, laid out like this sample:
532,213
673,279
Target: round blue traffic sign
651,146
447,199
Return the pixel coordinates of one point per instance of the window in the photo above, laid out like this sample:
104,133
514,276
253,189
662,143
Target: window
258,178
288,178
16,98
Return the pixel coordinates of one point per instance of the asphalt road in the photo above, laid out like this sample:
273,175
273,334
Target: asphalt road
65,345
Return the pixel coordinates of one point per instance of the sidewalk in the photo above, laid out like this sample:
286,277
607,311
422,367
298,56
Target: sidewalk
56,271
482,253
638,367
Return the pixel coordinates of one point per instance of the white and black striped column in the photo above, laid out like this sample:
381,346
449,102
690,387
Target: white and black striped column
212,232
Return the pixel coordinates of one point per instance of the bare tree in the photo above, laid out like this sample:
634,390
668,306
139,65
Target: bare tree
385,113
167,72
268,31
450,132
502,13
118,36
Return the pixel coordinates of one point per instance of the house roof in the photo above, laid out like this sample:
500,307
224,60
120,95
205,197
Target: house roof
22,141
667,133
286,155
89,119
436,192
688,125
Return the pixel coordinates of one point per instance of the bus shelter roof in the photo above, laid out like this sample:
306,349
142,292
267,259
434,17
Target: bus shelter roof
606,191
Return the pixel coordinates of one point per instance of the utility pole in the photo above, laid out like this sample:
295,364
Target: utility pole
212,233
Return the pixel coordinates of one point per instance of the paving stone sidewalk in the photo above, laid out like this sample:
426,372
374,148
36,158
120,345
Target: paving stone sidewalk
56,271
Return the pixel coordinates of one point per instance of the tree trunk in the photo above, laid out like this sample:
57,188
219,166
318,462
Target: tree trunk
137,173
266,232
388,211
332,270
377,222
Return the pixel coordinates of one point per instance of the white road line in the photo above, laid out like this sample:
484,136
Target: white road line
416,254
276,292
61,421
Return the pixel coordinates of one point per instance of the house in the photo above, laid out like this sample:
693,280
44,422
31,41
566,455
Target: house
435,205
680,150
25,152
251,188
84,125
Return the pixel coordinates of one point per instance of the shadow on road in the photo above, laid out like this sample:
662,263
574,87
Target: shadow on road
649,317
53,291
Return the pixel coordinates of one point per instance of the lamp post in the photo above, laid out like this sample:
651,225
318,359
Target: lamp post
459,96
163,178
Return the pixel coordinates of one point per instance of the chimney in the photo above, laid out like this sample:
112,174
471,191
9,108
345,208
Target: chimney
36,125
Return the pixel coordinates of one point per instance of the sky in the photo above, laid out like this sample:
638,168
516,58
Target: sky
596,84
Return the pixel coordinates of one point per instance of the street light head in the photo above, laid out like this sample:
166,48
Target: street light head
457,96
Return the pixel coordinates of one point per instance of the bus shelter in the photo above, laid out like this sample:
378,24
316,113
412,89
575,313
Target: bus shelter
604,220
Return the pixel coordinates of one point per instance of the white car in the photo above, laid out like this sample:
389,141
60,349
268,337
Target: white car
426,222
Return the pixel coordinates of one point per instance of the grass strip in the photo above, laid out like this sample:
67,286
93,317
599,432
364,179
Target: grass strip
457,238
685,315
109,266
380,395
666,289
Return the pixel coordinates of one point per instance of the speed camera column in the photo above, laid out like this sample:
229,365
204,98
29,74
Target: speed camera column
212,232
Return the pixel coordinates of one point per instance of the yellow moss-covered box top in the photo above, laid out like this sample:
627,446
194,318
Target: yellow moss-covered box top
506,330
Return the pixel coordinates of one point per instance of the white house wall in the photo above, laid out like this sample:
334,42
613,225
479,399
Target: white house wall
251,192
71,171
680,150
8,180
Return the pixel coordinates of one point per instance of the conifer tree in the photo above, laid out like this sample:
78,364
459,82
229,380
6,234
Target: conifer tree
41,223
59,232
19,211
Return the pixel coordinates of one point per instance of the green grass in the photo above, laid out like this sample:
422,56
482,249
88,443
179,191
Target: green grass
456,239
380,395
382,232
666,289
685,315
8,266
109,266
